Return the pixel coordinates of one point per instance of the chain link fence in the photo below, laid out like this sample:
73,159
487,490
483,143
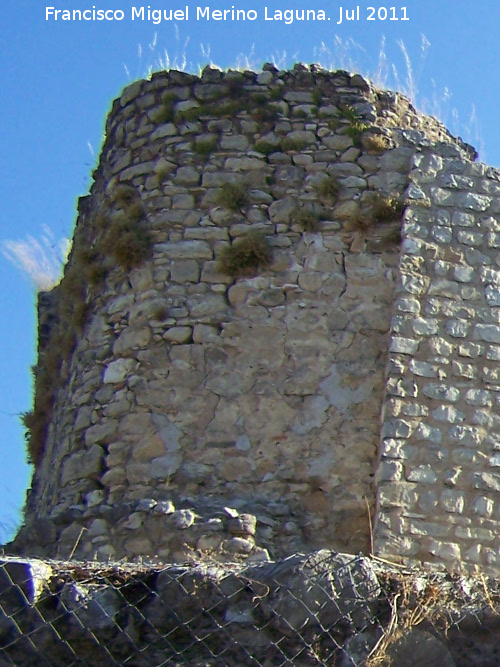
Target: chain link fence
318,609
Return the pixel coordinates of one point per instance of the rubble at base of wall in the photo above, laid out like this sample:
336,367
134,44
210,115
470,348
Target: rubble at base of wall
323,608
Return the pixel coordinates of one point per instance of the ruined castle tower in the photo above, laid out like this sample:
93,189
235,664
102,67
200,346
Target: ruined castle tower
262,342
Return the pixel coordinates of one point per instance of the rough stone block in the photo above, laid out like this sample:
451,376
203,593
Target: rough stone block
81,465
464,370
472,201
448,413
470,238
483,506
472,350
486,480
425,326
493,353
403,345
492,295
441,392
118,370
131,339
463,219
389,471
480,397
165,466
22,583
179,335
491,375
185,250
467,435
427,432
422,474
423,368
453,501
419,649
182,271
447,551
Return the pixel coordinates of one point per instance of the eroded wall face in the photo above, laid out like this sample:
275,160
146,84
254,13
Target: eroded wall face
439,478
190,391
185,411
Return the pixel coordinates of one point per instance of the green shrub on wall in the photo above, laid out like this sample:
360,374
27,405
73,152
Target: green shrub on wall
309,220
245,255
125,237
328,189
121,239
232,196
386,208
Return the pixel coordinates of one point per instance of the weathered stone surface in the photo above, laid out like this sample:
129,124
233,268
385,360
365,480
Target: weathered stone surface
165,466
418,648
244,524
29,577
185,250
178,334
282,210
118,370
131,339
338,591
82,465
265,386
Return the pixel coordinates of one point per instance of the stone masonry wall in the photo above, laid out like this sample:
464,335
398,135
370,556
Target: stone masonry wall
239,416
439,474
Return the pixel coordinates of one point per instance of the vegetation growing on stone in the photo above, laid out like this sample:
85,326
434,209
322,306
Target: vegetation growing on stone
125,237
55,349
228,108
259,99
376,143
235,86
361,222
165,112
160,313
276,93
317,96
78,318
255,103
333,123
122,239
205,145
191,114
232,196
35,423
308,219
161,172
266,147
135,211
386,208
124,195
328,189
393,237
131,247
266,113
101,220
294,144
356,126
245,255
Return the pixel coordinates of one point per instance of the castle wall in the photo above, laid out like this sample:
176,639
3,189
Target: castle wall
439,479
188,409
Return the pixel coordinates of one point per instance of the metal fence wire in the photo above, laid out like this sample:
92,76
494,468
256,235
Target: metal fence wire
317,609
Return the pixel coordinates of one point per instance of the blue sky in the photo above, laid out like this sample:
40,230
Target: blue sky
59,79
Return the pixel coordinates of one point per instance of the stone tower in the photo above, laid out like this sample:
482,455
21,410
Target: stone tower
220,368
